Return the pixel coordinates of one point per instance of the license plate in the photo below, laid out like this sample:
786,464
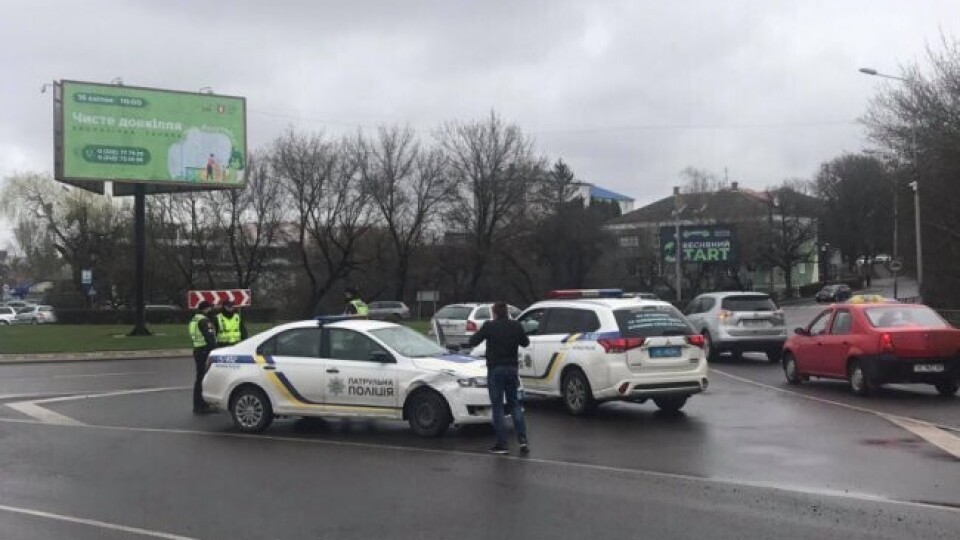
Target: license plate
664,352
928,368
756,323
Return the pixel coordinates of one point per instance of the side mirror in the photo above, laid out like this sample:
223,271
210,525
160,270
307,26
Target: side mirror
800,331
382,356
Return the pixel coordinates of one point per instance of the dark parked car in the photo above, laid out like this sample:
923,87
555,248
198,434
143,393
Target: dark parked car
834,293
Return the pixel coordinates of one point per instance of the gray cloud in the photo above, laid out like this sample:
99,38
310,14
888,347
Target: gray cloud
629,93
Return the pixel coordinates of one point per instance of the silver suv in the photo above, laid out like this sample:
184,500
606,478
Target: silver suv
738,322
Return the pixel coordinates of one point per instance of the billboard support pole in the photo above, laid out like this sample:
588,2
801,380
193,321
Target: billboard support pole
140,245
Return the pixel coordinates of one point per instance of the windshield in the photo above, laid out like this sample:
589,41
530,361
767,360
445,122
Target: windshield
460,313
408,342
904,316
748,303
652,321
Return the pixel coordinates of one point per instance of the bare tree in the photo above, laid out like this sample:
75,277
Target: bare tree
917,123
250,220
182,228
791,237
492,166
76,223
407,186
701,181
328,205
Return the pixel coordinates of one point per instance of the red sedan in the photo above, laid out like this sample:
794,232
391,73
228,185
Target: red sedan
872,344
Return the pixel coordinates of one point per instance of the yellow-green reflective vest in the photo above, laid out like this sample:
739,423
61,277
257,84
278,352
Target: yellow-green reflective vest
228,329
360,307
196,336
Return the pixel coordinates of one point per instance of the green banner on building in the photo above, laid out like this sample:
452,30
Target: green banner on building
128,134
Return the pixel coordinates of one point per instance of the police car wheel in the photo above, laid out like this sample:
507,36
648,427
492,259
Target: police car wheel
251,410
427,414
577,395
670,404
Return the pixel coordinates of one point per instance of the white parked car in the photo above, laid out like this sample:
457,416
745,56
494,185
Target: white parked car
8,315
346,367
36,315
591,346
460,321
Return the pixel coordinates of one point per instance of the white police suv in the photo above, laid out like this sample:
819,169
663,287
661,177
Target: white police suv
346,367
591,346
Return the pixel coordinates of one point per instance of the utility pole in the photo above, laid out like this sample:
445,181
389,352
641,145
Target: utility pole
916,210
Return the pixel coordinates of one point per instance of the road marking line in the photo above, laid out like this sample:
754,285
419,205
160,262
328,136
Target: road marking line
934,434
46,416
33,410
855,496
81,376
928,432
112,393
94,523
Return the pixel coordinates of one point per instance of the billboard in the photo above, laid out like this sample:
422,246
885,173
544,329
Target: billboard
700,244
144,135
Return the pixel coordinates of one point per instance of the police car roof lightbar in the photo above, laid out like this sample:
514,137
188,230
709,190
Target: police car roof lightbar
324,319
573,294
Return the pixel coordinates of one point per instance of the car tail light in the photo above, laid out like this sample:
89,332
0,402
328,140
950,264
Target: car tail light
886,342
696,340
471,326
724,315
619,345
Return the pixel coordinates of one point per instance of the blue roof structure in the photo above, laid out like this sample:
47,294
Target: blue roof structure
600,193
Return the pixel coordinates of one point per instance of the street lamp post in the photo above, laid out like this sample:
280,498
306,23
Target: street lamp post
916,210
916,191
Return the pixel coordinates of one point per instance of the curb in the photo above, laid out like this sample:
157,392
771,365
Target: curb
97,356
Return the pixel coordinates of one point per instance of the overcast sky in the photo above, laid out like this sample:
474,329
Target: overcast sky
627,92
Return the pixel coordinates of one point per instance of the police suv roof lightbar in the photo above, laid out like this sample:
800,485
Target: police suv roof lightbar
573,294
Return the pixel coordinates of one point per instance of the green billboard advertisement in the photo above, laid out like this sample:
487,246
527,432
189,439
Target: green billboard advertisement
129,134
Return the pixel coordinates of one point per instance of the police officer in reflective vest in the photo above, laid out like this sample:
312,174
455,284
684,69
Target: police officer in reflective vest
204,340
230,327
355,306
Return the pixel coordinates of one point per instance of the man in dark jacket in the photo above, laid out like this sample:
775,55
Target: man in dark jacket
504,337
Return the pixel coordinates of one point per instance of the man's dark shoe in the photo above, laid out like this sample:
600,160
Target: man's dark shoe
497,449
524,448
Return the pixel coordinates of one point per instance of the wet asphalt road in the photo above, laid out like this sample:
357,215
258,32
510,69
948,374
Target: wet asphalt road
745,460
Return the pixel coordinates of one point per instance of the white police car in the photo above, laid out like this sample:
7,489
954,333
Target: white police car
346,367
590,346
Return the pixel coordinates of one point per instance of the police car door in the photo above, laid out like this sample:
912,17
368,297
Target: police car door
563,326
291,363
358,380
536,369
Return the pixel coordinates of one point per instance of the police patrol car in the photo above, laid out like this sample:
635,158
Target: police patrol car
346,367
590,346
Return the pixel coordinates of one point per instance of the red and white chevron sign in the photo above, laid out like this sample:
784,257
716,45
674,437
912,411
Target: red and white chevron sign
239,297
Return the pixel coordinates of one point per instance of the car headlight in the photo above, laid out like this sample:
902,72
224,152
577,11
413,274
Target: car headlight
473,382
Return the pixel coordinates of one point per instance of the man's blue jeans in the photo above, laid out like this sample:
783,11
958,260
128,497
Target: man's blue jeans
504,382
